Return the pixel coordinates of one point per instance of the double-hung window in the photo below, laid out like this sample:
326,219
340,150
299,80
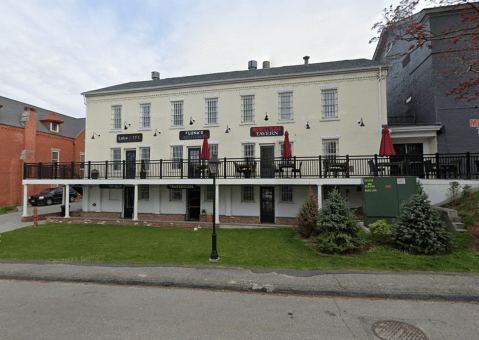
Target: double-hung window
248,151
54,127
247,109
247,193
330,148
176,156
145,116
176,194
116,159
144,192
281,148
287,193
82,161
285,106
329,103
55,156
213,149
145,157
177,113
209,193
116,117
211,111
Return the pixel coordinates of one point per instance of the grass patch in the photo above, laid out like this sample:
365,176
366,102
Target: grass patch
5,210
249,248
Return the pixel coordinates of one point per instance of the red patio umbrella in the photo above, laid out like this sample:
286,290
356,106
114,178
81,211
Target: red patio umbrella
286,146
387,147
205,150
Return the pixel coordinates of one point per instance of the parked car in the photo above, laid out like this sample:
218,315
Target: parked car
52,195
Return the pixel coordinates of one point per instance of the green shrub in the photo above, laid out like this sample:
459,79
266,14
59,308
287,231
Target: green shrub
338,231
380,231
418,229
307,218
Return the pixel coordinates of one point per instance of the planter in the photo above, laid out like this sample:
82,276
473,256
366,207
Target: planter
143,175
94,176
209,218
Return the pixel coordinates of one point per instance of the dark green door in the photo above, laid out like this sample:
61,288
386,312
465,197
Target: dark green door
267,161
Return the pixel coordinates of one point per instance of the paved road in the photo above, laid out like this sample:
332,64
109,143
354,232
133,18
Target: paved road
13,220
38,310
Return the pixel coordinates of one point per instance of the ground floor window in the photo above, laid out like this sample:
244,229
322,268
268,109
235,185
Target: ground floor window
247,193
286,193
144,192
209,192
176,194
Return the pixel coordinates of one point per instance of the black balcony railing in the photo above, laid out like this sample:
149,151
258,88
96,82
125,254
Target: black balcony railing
461,166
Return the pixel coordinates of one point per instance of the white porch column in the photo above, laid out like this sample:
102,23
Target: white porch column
217,202
320,197
227,191
25,200
66,200
135,205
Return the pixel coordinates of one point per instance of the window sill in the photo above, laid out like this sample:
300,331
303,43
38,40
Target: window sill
176,127
211,125
329,119
145,129
284,121
248,123
115,131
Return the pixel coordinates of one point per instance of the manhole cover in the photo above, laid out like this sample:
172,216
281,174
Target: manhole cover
396,330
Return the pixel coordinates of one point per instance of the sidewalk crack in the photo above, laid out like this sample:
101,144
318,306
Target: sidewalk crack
341,315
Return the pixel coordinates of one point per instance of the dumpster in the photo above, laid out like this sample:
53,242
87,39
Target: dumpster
382,197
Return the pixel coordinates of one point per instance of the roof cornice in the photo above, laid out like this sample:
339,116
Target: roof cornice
239,80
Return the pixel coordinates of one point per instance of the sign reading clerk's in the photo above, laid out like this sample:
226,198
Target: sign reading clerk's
266,131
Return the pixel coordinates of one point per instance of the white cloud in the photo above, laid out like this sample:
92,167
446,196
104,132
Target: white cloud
50,52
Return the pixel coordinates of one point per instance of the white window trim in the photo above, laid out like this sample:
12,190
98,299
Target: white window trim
329,119
281,195
177,144
213,96
84,162
247,93
249,141
331,137
56,150
285,91
144,102
242,195
51,127
332,87
177,99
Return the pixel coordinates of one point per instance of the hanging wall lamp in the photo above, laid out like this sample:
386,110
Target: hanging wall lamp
126,126
93,136
157,133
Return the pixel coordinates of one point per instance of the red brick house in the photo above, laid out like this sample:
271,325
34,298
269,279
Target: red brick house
32,134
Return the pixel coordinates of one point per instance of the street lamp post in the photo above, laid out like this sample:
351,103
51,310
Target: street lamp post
213,164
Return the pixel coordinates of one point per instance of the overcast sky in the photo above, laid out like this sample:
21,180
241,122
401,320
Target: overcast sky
51,51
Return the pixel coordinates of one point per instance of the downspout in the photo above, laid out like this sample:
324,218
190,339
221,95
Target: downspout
380,102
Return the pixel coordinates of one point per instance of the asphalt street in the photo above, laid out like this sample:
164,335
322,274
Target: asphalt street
39,310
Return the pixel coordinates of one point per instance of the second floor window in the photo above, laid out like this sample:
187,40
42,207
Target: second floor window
212,111
248,150
330,148
116,159
145,156
247,108
145,118
329,103
213,150
55,156
116,118
176,156
177,115
285,106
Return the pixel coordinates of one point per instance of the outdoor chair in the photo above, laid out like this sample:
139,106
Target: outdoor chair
297,170
372,167
237,169
429,168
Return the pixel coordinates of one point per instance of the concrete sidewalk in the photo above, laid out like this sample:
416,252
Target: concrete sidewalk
408,285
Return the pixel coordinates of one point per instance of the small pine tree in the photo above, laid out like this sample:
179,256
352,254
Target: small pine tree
418,229
338,231
307,218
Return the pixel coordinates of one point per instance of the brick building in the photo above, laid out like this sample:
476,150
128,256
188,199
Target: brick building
32,134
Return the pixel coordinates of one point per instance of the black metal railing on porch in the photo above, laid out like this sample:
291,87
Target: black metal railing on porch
463,166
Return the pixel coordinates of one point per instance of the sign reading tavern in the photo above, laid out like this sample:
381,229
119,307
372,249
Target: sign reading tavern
195,134
266,131
133,137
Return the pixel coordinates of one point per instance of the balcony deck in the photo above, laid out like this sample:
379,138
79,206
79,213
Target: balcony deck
434,166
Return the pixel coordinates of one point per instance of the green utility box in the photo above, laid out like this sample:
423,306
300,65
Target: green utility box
383,195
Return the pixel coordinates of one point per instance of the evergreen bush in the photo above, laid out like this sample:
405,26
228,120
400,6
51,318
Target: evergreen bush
338,231
418,229
307,218
380,231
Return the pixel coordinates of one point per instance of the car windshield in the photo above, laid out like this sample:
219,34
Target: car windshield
47,191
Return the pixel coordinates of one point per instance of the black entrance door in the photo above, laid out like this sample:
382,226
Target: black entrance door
267,161
193,162
194,204
267,204
130,163
129,202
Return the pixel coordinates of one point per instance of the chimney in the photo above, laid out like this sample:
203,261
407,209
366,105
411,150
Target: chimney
265,64
306,59
155,75
252,65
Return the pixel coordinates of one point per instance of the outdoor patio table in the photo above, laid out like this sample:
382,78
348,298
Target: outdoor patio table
245,169
283,166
